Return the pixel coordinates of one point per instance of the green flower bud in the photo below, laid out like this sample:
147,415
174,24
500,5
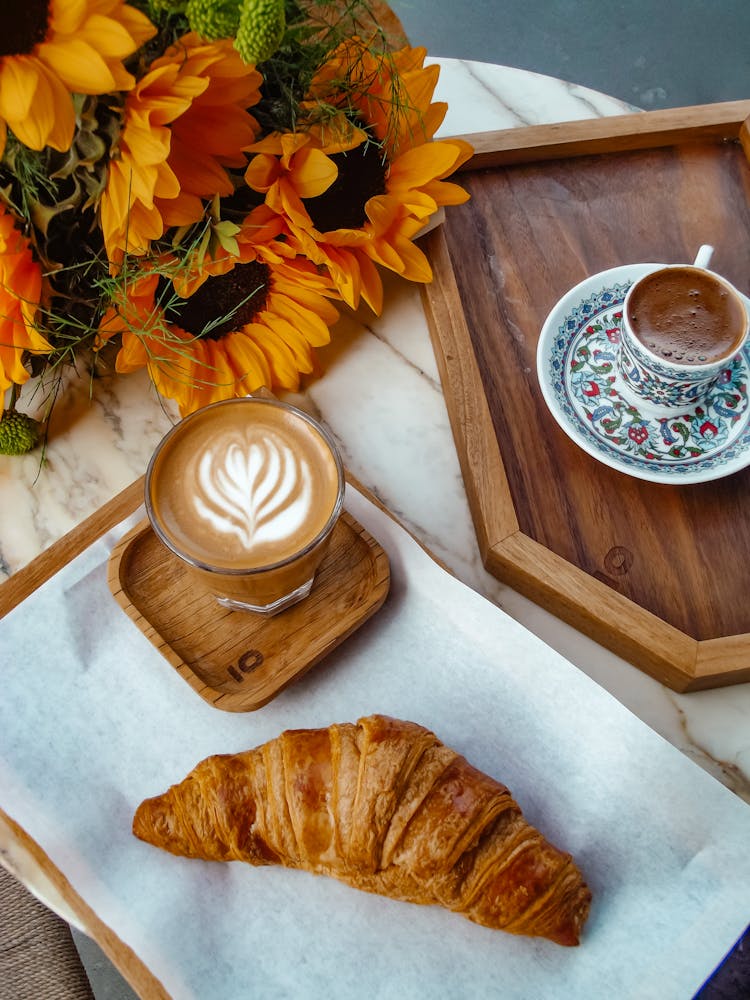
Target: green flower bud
213,19
261,29
19,433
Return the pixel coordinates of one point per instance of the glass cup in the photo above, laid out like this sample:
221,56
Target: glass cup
247,493
682,326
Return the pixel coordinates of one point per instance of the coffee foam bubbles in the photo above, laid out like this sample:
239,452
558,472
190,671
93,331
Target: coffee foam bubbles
254,487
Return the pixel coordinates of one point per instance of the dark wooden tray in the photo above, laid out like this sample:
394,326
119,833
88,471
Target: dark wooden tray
658,573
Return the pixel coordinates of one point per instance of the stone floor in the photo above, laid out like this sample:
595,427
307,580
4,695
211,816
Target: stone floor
651,55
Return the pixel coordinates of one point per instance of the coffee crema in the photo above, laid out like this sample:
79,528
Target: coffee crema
238,487
687,316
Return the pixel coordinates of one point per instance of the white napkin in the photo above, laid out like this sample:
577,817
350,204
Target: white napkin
93,720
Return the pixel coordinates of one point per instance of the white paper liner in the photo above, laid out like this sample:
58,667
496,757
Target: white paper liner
93,720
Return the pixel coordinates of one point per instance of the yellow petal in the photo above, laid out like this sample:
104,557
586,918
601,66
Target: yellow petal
249,362
312,326
107,36
183,210
262,171
445,193
138,25
132,355
66,18
297,344
269,145
312,172
10,361
280,358
372,285
420,165
19,79
414,265
78,65
53,119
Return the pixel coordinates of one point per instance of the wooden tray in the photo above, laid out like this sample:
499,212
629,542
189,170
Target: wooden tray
656,573
235,660
17,588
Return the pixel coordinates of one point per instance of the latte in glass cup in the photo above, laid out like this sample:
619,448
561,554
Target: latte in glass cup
247,493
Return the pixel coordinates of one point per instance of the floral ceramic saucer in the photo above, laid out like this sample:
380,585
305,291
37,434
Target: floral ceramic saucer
587,397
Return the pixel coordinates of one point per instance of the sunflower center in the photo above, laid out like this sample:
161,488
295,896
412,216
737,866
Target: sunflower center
223,303
361,176
25,28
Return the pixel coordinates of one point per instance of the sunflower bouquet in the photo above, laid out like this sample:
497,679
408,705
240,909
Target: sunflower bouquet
197,187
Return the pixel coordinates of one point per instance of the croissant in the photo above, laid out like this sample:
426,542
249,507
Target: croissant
384,806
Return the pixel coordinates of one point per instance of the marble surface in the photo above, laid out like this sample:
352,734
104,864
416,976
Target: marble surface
380,394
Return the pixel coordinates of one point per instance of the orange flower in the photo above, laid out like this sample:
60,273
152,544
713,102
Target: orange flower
213,132
56,49
138,171
388,175
391,92
226,327
183,123
20,295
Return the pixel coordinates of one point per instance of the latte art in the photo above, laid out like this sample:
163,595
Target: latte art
259,490
247,493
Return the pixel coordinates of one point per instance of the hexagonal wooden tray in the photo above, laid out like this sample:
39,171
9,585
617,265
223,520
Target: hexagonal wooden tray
657,573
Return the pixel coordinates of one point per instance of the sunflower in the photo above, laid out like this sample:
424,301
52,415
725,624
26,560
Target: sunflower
362,203
51,49
138,170
391,92
20,295
183,123
224,327
212,133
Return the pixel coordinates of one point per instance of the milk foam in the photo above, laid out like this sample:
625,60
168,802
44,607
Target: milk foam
254,487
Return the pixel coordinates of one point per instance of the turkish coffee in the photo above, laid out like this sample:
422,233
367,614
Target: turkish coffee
686,315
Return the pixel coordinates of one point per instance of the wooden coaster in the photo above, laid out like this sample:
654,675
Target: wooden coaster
236,660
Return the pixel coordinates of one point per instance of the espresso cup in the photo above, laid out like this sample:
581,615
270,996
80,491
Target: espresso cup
682,326
247,492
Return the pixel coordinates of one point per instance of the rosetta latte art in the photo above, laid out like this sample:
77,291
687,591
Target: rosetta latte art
258,490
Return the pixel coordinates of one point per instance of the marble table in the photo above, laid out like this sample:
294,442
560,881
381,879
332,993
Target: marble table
381,396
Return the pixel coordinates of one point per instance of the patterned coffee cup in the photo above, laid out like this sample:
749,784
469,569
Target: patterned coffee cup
682,326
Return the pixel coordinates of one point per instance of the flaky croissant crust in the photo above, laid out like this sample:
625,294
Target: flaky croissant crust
384,806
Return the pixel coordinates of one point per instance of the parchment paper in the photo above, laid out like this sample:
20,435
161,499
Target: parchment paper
93,719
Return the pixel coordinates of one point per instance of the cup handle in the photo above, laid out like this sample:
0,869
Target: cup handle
704,255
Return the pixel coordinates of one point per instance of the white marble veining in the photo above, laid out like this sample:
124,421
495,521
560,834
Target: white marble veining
482,97
380,394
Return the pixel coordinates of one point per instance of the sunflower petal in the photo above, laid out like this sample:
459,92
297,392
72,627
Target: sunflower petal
19,80
312,172
314,328
422,164
107,36
280,359
138,25
78,65
248,362
67,18
262,171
